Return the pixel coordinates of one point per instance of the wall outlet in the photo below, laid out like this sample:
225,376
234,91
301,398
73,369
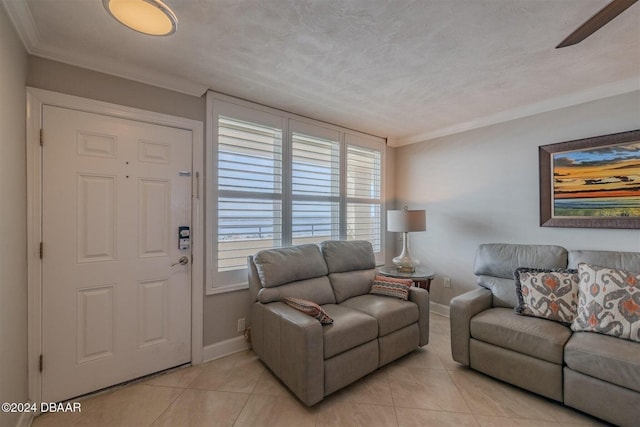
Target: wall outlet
241,325
447,282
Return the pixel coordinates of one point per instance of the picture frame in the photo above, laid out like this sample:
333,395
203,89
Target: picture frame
591,182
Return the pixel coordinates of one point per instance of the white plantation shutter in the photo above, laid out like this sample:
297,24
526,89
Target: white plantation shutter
274,180
249,191
244,227
315,187
364,203
246,205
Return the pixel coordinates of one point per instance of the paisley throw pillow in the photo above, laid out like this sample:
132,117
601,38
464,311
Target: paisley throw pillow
550,294
608,302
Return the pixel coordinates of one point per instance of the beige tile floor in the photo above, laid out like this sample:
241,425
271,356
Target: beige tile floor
425,388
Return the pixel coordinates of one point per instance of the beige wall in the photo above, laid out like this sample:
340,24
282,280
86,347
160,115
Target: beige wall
13,221
482,186
64,78
392,243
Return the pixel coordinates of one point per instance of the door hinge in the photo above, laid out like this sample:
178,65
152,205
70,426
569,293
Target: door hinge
40,363
197,185
41,137
41,249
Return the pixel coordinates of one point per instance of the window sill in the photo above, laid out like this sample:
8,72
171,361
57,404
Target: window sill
228,288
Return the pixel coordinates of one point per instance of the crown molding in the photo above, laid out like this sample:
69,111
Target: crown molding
576,98
23,22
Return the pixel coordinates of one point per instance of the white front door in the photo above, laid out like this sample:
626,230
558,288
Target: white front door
114,307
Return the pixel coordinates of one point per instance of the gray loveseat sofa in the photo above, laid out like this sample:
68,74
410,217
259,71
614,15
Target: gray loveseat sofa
368,331
597,374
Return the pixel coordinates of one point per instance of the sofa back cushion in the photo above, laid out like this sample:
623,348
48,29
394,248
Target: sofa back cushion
496,263
351,283
502,259
629,261
351,266
503,291
348,255
280,266
296,271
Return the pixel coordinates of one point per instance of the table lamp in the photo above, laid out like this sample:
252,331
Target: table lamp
405,221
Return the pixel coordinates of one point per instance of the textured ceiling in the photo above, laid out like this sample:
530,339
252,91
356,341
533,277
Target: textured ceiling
406,70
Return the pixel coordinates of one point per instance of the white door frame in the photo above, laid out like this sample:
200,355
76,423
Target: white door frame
36,99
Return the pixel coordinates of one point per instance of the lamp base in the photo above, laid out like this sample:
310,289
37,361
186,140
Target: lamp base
405,262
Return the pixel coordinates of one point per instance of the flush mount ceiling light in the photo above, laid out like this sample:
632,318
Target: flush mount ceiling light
151,17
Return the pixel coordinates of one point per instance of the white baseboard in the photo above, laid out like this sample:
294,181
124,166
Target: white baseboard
440,309
224,348
25,419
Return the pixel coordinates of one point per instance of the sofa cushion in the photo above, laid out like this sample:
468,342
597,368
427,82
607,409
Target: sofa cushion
310,308
350,328
391,287
285,265
535,337
317,290
502,259
607,358
607,401
391,314
613,259
503,291
351,283
608,302
549,294
348,255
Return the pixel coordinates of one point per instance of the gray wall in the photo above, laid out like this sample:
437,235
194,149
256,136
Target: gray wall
13,221
482,186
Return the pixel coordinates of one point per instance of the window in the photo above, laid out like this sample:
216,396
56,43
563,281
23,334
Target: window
364,195
249,190
315,184
275,180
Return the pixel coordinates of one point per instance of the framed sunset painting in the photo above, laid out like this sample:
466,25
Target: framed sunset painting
592,182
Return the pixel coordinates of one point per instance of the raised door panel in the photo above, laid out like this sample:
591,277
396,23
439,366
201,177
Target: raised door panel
95,323
154,204
96,224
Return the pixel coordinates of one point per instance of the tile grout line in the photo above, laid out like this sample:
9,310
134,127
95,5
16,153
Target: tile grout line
168,406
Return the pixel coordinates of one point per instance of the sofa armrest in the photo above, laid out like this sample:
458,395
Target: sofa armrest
461,309
290,343
421,298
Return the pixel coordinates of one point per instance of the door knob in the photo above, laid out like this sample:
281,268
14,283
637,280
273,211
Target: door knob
184,260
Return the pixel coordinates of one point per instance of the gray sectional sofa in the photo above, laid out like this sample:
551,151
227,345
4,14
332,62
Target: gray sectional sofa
594,373
369,331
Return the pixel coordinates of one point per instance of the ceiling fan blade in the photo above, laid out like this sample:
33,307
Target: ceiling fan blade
597,21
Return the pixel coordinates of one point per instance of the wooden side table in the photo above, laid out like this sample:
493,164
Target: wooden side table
421,277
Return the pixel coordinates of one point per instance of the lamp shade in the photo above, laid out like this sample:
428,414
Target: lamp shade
406,220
